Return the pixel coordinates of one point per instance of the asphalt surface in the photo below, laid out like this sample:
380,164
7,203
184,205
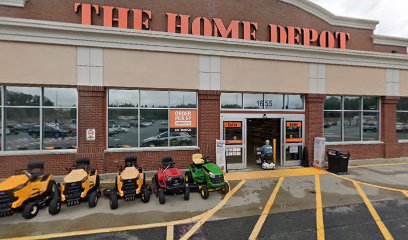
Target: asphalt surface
292,215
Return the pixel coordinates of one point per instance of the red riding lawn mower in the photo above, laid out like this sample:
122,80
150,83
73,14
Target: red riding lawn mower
169,180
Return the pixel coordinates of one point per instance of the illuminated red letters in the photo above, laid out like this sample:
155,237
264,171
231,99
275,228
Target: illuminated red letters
184,24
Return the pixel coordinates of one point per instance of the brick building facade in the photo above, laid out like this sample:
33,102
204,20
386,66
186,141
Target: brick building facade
288,86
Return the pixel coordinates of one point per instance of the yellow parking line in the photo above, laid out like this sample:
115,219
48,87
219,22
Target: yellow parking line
170,232
319,210
387,235
405,193
108,230
371,185
265,212
379,165
210,213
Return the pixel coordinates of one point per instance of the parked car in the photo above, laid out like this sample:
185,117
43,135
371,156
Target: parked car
48,132
176,139
369,127
146,124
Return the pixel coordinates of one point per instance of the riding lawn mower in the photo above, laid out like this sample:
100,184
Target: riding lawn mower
29,191
169,180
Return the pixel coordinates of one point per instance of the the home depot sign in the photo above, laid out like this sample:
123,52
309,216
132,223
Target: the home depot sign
184,24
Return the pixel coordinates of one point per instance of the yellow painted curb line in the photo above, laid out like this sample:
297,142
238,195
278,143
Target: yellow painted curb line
265,212
371,185
211,212
387,235
298,172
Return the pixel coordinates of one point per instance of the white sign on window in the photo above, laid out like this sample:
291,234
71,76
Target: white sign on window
90,134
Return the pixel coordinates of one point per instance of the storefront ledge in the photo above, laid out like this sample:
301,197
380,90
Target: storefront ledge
38,152
353,143
402,141
157,149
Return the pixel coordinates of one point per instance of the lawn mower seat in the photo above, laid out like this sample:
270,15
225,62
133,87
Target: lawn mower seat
131,161
168,162
198,159
34,170
84,163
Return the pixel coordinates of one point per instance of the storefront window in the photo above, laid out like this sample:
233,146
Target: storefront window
154,99
253,101
167,118
40,118
123,98
294,102
402,119
262,101
351,119
231,100
273,101
183,100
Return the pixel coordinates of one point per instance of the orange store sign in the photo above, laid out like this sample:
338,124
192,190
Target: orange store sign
184,24
183,119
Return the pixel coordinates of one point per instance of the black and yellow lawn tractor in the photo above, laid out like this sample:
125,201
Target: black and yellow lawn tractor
29,190
130,183
81,184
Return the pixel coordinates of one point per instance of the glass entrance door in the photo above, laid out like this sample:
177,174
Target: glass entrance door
293,142
234,144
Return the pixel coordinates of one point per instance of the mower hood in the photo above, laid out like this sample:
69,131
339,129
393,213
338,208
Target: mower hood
75,175
129,173
211,167
173,172
13,182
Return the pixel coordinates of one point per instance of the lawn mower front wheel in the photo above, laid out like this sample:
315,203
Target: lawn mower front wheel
113,201
188,177
204,192
145,194
93,199
187,193
55,206
30,210
162,197
225,188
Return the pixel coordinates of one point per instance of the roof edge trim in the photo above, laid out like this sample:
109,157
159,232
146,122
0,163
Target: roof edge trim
332,19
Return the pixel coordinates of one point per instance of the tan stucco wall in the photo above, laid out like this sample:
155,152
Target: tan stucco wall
37,64
238,74
404,83
126,68
345,80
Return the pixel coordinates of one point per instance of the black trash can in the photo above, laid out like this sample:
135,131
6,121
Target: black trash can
338,161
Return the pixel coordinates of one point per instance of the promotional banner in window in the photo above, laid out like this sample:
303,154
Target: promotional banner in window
294,132
183,127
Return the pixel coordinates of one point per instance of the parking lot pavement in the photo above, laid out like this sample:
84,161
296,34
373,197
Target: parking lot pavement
370,203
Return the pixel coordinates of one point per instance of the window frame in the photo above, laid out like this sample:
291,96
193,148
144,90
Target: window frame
263,109
401,140
361,112
41,108
139,108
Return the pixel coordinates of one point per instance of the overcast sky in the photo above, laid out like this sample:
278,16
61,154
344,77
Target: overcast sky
392,14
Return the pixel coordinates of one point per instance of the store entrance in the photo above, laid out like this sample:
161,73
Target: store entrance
258,131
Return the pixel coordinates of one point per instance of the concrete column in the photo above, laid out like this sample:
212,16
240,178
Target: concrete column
314,121
209,121
388,127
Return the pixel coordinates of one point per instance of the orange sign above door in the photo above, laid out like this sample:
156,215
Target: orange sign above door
232,124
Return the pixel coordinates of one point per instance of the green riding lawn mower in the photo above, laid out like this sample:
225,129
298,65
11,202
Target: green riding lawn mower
204,176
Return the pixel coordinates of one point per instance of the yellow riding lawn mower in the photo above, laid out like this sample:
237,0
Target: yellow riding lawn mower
29,190
130,183
81,183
